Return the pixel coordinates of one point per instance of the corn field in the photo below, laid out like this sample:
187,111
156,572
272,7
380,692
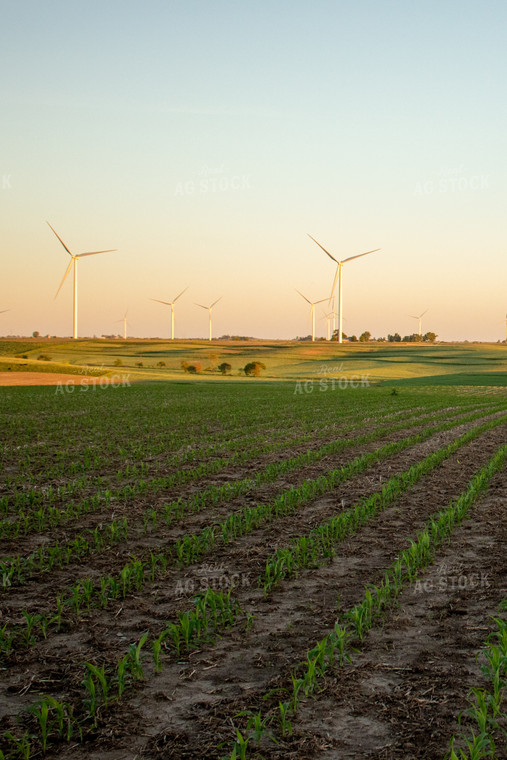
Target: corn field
194,571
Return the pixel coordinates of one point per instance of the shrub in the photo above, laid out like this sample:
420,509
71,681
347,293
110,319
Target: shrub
118,362
224,368
139,364
253,368
43,358
160,364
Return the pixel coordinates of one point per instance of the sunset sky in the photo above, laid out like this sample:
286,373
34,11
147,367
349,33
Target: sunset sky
204,140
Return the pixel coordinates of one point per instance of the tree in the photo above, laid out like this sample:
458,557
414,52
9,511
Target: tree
35,334
365,337
224,368
336,333
396,338
253,369
430,337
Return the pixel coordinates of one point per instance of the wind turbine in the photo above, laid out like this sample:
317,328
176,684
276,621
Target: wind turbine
124,320
420,320
171,304
338,276
312,309
328,318
73,261
209,308
4,310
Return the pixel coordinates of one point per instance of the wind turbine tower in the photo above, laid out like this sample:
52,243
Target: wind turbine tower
171,304
124,320
209,308
312,310
419,319
74,258
338,277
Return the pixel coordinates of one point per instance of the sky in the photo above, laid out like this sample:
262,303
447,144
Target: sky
205,140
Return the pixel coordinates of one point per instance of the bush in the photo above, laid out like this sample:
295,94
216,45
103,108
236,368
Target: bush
253,369
192,369
118,362
43,358
139,364
224,368
160,364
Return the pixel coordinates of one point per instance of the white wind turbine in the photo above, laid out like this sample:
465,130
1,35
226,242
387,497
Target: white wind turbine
312,309
209,308
419,318
124,320
338,276
171,304
328,318
73,262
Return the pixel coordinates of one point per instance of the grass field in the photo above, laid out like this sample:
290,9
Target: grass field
242,570
416,364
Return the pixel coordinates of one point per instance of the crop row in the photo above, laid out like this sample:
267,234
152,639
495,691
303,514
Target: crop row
51,721
48,495
49,516
75,437
487,709
44,558
193,548
339,645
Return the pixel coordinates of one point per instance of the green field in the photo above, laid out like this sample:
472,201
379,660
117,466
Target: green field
405,364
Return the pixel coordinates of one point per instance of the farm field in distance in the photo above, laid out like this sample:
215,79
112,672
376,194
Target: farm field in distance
253,569
157,360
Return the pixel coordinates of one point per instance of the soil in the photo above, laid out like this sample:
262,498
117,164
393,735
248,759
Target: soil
49,378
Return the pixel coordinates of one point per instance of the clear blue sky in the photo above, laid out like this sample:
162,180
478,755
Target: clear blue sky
203,140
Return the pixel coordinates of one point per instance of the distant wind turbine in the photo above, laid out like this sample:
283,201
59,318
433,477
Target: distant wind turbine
419,318
124,320
328,318
209,308
312,309
73,262
338,276
171,304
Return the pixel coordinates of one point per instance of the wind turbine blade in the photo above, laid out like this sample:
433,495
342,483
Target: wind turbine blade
302,296
4,310
321,301
334,282
214,302
424,312
412,316
93,253
202,307
321,246
65,275
183,291
358,256
59,238
167,303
